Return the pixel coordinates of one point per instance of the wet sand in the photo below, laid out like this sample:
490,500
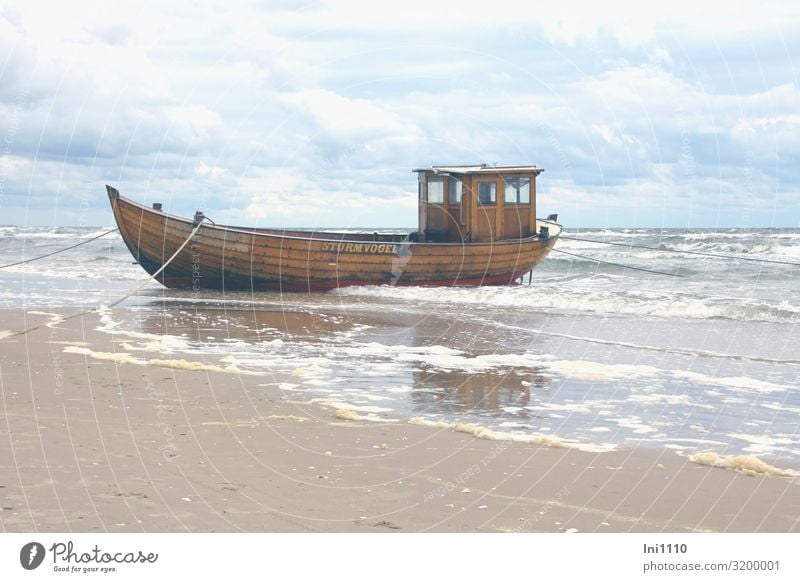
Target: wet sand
97,445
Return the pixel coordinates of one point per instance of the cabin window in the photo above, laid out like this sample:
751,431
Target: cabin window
455,191
487,193
436,190
518,190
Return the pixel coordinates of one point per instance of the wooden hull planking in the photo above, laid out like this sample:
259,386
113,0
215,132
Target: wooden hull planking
233,258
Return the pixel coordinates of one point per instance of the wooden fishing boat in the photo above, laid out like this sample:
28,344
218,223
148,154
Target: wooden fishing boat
477,226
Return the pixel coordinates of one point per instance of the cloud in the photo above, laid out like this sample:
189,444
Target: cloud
333,117
613,137
317,111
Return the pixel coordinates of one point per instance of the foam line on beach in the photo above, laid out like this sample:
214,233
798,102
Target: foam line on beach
440,357
163,344
55,318
313,367
151,341
443,358
745,464
179,364
347,414
448,359
308,365
347,411
482,432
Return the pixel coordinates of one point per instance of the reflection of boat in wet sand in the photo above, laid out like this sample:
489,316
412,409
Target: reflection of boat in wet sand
496,392
477,226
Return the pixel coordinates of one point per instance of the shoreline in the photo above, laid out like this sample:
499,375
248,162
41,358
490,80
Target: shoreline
101,445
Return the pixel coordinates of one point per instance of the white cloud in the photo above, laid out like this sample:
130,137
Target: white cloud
259,107
207,171
348,117
613,137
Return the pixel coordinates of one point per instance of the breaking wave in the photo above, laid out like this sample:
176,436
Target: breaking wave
633,303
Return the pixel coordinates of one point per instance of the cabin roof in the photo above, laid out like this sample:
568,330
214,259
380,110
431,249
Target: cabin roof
482,169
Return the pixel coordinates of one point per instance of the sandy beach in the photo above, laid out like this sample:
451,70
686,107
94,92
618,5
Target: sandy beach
96,441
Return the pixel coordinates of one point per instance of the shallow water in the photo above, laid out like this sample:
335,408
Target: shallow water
596,355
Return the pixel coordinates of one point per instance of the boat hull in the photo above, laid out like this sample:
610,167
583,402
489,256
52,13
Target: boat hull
233,258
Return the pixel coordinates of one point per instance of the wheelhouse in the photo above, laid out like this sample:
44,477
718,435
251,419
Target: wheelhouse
477,203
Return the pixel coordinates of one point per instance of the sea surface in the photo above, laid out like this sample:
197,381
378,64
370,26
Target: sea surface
592,355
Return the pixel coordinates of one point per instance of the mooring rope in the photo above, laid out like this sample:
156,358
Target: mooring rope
88,240
617,264
701,253
164,266
118,301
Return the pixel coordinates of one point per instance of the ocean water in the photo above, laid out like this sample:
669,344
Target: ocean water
588,355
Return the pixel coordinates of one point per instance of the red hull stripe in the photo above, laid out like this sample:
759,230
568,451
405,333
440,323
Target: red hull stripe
328,284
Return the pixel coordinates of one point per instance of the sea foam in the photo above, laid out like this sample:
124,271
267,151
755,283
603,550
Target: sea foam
745,464
483,432
180,364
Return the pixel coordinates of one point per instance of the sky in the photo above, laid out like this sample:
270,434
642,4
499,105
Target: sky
314,113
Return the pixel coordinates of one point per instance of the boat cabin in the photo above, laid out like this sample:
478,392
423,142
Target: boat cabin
477,203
